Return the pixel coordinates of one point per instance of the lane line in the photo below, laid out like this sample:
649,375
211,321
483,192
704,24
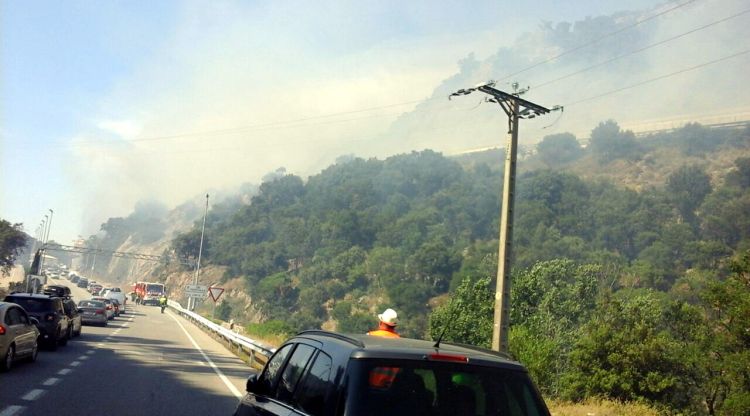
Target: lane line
90,352
216,369
51,381
83,358
12,411
64,371
33,395
75,363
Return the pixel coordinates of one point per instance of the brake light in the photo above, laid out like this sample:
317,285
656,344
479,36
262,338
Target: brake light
2,330
109,307
49,317
449,357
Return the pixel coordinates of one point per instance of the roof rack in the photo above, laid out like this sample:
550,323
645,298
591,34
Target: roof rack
333,335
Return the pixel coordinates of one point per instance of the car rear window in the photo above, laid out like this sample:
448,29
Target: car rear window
90,304
403,387
31,304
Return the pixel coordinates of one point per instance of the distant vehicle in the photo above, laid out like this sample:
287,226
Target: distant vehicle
18,335
96,289
94,312
83,282
76,322
118,308
108,306
53,324
140,289
324,373
116,293
57,290
74,278
154,291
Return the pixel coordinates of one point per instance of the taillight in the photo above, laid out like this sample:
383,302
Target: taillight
100,311
109,307
449,357
2,330
49,317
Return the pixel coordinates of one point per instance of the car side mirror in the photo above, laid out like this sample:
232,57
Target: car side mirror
252,383
33,320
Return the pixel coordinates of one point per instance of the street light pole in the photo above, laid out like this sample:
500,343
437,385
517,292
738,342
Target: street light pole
191,300
516,108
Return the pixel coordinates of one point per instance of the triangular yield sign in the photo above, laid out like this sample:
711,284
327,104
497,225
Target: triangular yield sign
215,292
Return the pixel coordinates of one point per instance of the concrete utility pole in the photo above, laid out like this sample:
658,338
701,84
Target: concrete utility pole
516,108
191,300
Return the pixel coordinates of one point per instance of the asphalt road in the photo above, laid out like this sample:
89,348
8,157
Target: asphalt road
143,362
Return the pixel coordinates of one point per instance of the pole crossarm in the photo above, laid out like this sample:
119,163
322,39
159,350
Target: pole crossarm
122,254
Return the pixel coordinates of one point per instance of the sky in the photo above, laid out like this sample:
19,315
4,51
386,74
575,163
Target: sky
103,104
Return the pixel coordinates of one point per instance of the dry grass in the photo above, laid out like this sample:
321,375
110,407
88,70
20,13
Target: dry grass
599,407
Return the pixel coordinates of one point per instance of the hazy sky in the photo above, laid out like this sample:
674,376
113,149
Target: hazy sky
105,103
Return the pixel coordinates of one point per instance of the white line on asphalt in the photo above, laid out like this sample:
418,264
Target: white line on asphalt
64,371
83,357
89,352
51,381
218,372
75,363
12,411
33,395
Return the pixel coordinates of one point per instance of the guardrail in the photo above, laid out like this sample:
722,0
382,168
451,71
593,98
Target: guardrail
257,352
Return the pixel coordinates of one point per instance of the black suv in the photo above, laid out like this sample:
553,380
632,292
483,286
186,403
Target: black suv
324,373
54,325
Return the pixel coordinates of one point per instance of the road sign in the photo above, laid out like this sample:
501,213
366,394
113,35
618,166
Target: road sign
215,292
196,291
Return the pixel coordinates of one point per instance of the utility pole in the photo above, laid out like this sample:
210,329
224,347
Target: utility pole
516,108
191,300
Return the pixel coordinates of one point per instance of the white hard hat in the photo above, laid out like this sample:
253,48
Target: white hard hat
389,317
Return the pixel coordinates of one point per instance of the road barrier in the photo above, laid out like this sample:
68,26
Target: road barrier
254,350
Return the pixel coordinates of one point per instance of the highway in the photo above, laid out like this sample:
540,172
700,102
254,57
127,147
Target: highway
143,362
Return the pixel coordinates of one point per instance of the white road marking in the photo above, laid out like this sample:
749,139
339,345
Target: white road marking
75,363
12,411
100,344
89,352
33,395
216,369
83,357
51,381
64,371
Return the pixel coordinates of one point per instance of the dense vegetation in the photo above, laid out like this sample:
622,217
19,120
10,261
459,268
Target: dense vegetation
619,293
12,242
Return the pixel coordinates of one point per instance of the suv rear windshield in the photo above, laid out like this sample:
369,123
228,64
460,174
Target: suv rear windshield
31,304
438,388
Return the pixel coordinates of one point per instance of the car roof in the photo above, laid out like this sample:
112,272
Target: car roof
32,295
369,346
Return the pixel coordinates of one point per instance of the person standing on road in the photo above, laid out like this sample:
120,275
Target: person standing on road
387,325
163,302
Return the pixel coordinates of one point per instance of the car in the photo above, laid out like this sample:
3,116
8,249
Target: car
53,324
18,335
75,278
83,282
93,312
57,290
119,309
108,306
76,320
116,293
325,373
96,289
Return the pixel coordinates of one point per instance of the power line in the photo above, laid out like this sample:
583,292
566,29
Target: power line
650,80
580,71
597,40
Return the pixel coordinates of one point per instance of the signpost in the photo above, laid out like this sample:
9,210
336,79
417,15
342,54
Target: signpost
215,293
196,291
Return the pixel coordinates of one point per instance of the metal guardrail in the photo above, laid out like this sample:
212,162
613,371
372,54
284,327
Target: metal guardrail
258,353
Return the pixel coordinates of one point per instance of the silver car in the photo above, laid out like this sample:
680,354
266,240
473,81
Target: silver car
93,312
18,335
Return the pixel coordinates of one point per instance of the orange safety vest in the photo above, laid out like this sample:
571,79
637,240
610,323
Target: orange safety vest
384,333
382,377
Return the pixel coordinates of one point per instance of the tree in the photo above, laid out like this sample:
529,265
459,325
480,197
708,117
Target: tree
740,177
467,316
608,143
558,149
688,186
12,241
